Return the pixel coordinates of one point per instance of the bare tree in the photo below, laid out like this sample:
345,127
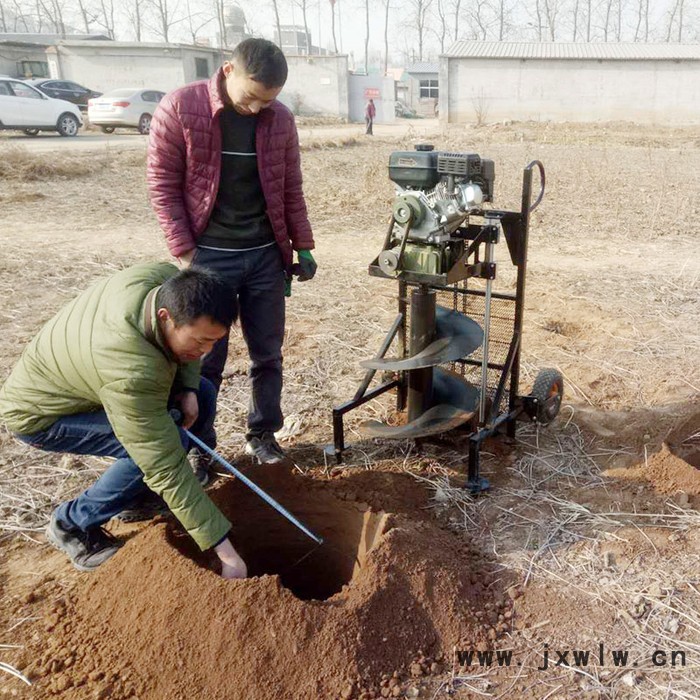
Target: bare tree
105,18
39,17
134,15
3,22
538,15
618,32
608,12
551,12
457,7
277,21
503,10
442,29
589,18
676,11
386,35
303,5
53,11
20,17
642,19
196,21
85,15
574,16
166,17
367,37
418,18
335,42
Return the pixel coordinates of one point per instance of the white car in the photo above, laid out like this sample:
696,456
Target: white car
25,108
126,107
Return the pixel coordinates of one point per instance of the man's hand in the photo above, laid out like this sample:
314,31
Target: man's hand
189,405
232,566
185,259
306,268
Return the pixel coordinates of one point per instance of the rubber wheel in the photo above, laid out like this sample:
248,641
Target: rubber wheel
549,391
107,129
68,125
145,124
31,132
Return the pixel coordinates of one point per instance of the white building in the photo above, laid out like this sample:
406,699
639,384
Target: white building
106,65
646,83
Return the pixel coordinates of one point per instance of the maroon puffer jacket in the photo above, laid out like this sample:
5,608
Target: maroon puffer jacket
184,167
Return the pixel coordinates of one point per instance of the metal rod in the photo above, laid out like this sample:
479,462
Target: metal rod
525,209
369,375
512,350
403,309
420,381
487,327
338,435
254,487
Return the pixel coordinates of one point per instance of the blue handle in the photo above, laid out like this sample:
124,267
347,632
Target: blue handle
280,509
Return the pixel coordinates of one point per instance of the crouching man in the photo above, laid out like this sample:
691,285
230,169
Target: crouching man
99,379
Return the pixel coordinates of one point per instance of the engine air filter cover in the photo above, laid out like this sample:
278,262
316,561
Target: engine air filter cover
417,169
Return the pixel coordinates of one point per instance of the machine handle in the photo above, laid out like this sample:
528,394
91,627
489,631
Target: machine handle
540,167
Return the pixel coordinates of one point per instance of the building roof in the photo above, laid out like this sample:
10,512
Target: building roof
46,39
423,67
117,45
574,50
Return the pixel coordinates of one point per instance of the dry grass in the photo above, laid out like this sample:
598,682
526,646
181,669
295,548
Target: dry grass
607,302
20,165
559,524
324,144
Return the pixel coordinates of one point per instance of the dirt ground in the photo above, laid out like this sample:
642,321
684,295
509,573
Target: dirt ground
589,536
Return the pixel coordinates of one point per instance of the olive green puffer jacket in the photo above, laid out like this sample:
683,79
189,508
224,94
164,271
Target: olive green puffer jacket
95,354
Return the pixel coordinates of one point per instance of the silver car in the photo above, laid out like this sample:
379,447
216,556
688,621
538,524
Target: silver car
126,107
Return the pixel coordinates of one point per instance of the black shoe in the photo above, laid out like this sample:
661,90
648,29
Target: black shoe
86,549
202,464
145,508
265,449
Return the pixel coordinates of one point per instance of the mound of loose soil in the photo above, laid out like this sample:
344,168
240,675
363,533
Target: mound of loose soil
387,597
667,473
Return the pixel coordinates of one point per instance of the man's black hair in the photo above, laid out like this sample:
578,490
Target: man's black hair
262,61
196,292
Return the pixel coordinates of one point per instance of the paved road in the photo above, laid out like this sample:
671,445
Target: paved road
92,141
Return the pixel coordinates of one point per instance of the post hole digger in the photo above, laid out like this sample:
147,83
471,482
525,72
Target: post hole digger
177,417
458,340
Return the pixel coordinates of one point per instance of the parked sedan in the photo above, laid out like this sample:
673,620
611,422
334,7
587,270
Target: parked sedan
127,107
65,90
24,108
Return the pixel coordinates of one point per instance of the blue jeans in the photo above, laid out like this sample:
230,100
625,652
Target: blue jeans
122,484
257,279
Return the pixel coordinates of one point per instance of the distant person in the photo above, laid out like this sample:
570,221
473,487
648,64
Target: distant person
224,179
370,114
99,378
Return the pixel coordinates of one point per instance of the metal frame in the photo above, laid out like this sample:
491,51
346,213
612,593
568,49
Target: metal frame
515,225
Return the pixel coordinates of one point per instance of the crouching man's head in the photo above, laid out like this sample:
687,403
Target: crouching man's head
255,75
195,308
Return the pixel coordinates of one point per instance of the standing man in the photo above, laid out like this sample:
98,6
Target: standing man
370,114
99,378
224,178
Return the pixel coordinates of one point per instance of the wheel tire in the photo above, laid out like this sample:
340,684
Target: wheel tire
31,132
548,390
68,125
145,124
107,129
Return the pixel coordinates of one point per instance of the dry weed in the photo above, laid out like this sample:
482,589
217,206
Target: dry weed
19,164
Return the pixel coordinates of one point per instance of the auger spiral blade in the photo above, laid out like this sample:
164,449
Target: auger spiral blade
456,336
455,403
